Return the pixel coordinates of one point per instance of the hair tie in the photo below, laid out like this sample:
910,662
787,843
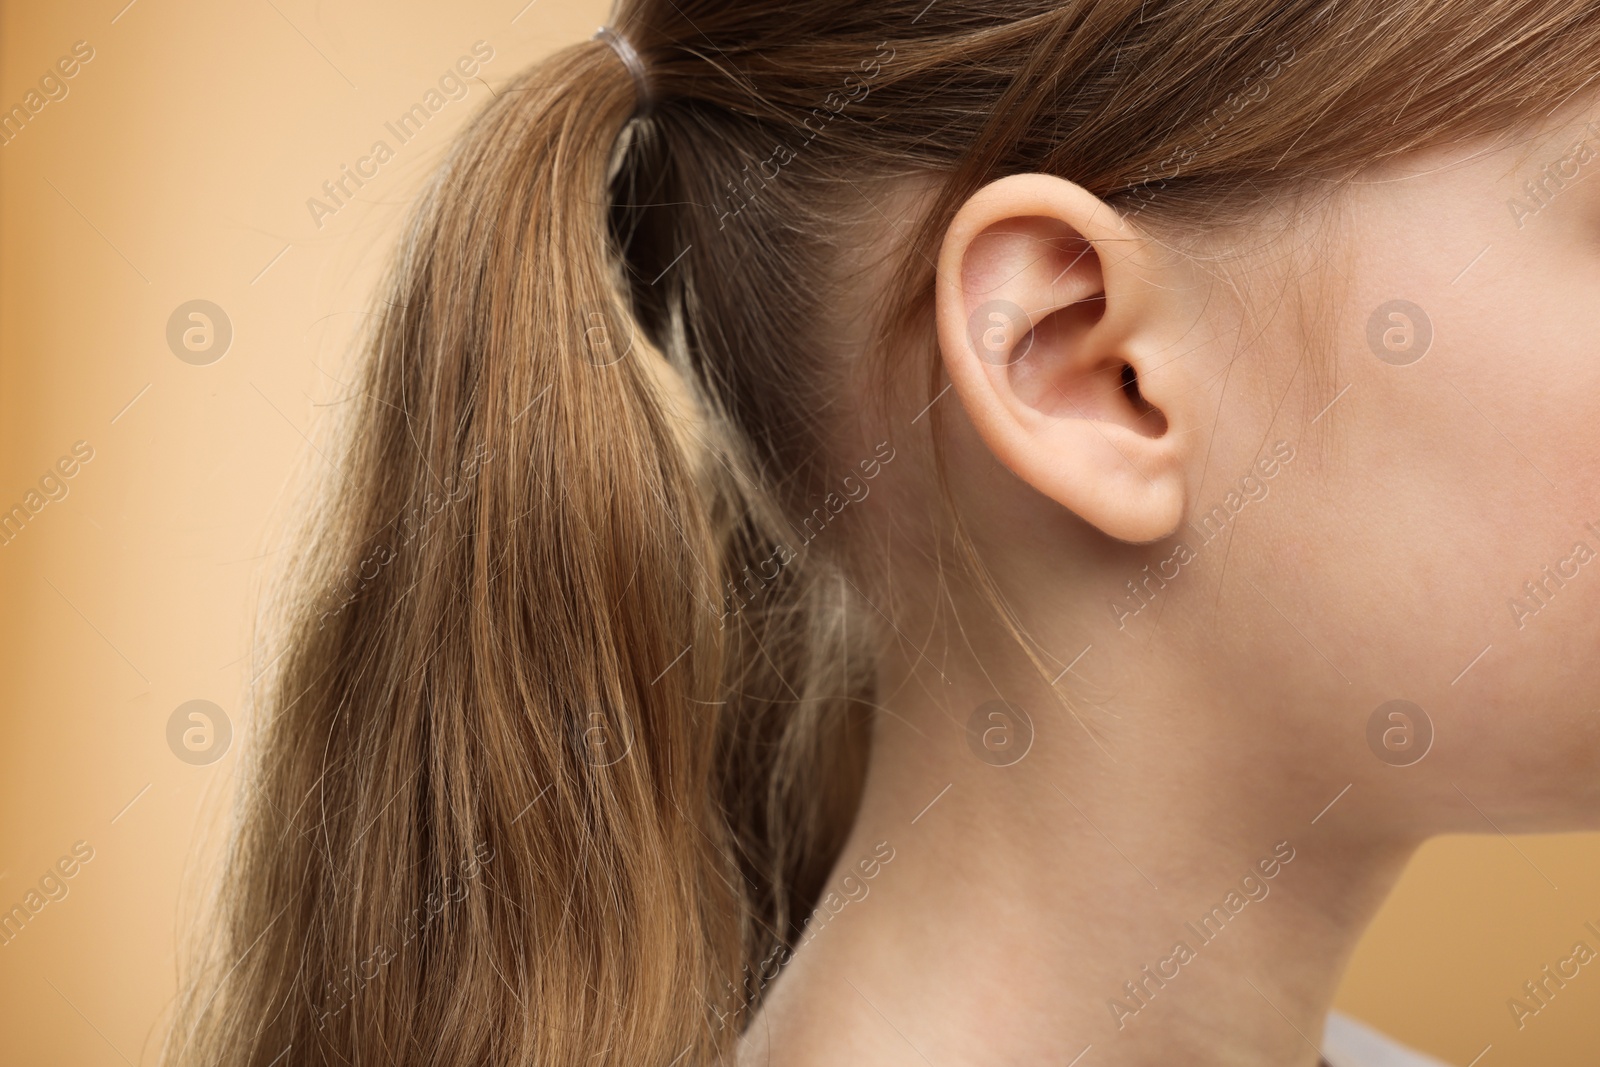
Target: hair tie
635,64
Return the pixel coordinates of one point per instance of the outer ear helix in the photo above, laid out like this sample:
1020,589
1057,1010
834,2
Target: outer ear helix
1035,270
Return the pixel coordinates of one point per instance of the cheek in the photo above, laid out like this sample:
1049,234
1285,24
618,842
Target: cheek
1456,479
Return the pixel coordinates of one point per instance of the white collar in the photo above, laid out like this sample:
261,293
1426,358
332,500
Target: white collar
1348,1043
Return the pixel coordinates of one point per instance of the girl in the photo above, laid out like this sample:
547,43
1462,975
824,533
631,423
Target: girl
959,532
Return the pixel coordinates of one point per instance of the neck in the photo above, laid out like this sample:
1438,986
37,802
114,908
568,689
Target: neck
1163,886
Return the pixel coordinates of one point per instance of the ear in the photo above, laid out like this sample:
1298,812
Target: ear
1061,325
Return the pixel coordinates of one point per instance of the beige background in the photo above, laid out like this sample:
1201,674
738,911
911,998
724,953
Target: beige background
178,167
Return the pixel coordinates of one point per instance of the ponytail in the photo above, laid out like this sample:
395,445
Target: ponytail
507,807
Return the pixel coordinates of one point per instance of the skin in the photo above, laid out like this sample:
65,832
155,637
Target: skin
1228,718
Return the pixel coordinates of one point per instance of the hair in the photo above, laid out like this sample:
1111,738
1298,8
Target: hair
571,762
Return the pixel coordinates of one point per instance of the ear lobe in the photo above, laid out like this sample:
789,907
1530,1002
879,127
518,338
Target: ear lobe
1051,327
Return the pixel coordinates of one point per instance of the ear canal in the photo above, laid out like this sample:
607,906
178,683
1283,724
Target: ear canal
1151,422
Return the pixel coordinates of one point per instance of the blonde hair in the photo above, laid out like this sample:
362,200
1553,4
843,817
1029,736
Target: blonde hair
552,781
